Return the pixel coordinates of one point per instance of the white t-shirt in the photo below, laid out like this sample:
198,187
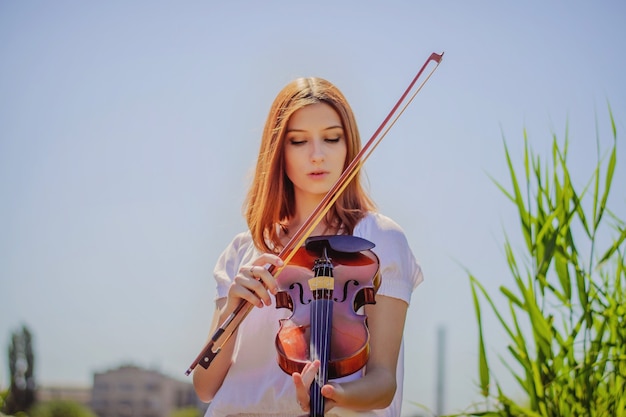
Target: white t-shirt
255,385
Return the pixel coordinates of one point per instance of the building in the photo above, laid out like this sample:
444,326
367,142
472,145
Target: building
130,391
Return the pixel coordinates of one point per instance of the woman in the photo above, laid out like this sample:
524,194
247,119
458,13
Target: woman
309,139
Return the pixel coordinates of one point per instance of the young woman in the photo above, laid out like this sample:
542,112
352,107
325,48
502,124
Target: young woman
309,139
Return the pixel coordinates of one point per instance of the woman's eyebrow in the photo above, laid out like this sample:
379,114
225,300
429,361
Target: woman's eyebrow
326,128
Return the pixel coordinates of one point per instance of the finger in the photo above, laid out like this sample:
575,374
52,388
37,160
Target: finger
309,372
248,279
331,393
259,270
263,261
239,290
248,290
268,258
302,391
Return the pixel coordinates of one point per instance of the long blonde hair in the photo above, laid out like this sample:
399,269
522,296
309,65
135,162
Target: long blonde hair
271,201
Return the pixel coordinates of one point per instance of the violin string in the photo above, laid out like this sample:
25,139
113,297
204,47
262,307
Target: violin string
321,317
314,344
328,331
323,333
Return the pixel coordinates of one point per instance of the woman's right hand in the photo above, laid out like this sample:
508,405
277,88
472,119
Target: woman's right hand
253,283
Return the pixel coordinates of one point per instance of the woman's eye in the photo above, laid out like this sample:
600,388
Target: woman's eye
296,141
333,140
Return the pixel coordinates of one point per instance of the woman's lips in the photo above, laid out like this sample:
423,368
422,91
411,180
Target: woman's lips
318,174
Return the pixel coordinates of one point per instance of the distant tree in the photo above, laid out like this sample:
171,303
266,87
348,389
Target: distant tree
60,408
21,394
3,395
186,412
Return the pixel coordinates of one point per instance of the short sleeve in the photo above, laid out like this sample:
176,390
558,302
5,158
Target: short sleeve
400,272
238,251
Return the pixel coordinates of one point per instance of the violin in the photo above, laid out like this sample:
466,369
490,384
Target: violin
325,285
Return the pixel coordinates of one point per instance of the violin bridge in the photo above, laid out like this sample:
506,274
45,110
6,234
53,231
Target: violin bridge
321,283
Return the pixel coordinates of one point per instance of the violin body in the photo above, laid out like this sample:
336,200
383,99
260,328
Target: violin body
326,299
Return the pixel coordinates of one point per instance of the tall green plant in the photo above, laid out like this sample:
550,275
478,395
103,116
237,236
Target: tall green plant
566,316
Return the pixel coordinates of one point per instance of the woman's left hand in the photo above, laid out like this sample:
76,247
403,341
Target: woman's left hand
303,380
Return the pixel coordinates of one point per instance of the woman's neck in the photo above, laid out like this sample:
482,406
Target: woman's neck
304,207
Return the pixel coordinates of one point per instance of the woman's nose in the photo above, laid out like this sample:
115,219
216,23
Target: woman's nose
317,151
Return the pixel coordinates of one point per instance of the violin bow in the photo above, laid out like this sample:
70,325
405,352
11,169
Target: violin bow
228,327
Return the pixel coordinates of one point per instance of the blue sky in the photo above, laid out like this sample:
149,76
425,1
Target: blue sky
128,131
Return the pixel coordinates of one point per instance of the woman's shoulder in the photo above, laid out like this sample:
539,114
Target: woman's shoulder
239,250
240,244
400,270
242,239
378,223
383,231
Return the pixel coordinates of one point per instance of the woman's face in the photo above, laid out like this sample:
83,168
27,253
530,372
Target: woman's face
315,150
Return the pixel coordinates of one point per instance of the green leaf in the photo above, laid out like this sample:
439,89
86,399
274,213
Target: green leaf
483,366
